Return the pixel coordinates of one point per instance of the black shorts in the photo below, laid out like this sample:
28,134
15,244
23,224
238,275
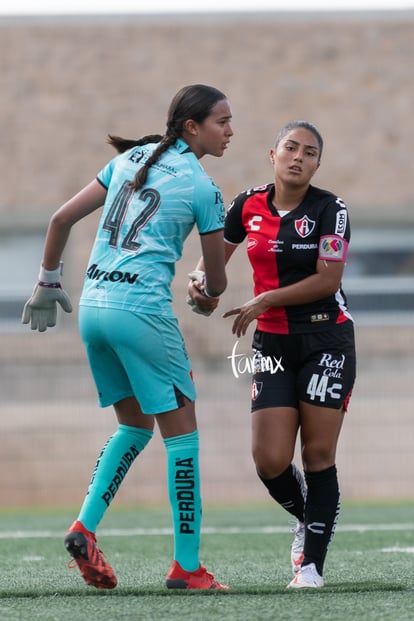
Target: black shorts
318,368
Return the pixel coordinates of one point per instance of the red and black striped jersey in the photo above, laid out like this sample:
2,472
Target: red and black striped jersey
284,250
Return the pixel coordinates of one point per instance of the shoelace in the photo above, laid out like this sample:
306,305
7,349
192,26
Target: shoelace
209,576
72,561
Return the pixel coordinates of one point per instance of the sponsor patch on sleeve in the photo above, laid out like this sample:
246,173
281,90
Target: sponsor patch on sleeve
341,219
333,248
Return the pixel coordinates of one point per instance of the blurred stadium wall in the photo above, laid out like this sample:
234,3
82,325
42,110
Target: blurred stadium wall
65,83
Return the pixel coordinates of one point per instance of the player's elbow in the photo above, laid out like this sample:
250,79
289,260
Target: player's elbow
329,289
62,219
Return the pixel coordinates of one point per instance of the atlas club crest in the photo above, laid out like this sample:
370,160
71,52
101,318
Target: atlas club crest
304,226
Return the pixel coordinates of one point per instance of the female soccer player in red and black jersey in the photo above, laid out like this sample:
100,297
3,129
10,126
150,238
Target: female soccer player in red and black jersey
304,349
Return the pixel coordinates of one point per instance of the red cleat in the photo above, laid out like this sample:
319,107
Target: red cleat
81,545
178,578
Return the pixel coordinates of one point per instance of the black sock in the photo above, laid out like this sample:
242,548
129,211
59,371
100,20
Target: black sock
288,489
321,514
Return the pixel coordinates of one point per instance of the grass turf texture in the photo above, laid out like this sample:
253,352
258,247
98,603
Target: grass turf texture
369,572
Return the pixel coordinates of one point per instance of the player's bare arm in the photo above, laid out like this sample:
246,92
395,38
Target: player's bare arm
326,281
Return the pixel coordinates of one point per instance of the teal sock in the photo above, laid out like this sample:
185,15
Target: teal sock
184,493
113,463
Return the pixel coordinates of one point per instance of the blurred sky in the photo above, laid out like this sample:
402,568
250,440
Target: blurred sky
38,7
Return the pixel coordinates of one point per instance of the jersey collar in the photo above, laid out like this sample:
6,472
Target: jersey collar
182,147
270,197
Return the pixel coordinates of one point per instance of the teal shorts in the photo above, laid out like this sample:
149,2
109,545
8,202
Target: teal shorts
143,356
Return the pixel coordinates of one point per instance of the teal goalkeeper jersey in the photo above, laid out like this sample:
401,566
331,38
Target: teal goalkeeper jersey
141,234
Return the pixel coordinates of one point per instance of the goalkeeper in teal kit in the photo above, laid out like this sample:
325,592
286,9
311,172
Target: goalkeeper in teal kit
153,193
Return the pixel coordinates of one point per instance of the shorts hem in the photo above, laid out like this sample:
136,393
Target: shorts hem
105,403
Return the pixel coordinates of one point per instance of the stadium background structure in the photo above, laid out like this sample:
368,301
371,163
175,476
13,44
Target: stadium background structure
65,84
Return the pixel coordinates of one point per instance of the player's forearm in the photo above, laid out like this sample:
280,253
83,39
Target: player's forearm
310,289
229,249
56,239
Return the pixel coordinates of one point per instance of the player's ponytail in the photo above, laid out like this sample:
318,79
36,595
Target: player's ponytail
141,176
123,144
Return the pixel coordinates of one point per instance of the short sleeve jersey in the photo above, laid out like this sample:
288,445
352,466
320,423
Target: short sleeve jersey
141,233
284,250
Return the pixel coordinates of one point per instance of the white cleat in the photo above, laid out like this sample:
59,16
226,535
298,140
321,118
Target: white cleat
306,578
296,552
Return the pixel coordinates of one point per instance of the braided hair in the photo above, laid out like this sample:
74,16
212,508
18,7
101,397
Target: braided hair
193,102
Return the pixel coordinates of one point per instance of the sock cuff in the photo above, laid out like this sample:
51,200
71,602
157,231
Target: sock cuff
283,476
188,440
321,475
140,435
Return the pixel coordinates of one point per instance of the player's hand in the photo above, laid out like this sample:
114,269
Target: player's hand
41,309
199,302
246,314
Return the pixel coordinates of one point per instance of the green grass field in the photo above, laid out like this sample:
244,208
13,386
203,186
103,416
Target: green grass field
369,572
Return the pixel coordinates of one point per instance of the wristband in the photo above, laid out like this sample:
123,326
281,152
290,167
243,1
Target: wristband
50,285
207,294
50,276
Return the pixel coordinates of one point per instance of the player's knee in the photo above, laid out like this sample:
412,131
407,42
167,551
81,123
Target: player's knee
318,458
268,465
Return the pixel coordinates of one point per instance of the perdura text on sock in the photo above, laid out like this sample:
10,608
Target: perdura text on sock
184,490
120,473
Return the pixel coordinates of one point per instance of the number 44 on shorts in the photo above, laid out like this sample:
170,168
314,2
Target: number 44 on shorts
318,387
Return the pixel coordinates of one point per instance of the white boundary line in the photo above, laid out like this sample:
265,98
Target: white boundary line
147,532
